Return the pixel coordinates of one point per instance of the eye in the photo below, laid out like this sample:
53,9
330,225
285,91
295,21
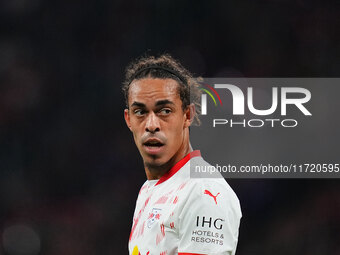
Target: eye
139,112
165,111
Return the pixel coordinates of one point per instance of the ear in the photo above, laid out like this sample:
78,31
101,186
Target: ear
127,118
189,115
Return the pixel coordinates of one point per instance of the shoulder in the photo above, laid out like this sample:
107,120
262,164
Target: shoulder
213,192
210,206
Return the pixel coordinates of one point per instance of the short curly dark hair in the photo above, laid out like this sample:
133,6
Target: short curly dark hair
164,67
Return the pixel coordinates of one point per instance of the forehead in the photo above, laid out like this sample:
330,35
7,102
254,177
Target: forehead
153,89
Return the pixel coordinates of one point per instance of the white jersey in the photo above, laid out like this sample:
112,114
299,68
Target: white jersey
181,215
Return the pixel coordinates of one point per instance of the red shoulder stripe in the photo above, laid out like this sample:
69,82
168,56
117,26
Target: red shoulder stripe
178,166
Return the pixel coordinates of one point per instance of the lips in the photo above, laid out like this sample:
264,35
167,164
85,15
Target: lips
153,146
153,142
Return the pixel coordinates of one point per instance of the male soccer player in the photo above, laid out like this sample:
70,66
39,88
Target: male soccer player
174,214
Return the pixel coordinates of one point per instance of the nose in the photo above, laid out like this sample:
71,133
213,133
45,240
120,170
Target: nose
152,123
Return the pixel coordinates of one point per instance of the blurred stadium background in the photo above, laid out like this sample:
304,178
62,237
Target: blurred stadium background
69,170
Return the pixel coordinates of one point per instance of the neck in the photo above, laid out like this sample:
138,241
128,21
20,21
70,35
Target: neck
156,172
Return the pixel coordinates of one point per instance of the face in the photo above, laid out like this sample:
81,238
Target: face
157,120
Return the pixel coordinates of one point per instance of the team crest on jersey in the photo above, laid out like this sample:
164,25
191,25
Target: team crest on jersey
154,216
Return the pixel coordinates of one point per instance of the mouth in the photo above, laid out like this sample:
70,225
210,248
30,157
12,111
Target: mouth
153,146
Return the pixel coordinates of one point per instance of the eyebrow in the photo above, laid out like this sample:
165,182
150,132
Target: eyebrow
163,102
138,104
158,103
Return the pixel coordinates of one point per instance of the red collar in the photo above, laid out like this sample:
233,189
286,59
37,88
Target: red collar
178,166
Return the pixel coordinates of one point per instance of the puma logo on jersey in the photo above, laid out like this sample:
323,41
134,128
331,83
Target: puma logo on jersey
207,192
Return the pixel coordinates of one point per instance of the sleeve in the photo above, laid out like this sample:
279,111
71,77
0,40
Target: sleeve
209,220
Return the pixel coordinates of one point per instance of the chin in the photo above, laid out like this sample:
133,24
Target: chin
154,161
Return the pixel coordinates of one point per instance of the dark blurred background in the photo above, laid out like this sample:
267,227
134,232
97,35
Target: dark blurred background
69,169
